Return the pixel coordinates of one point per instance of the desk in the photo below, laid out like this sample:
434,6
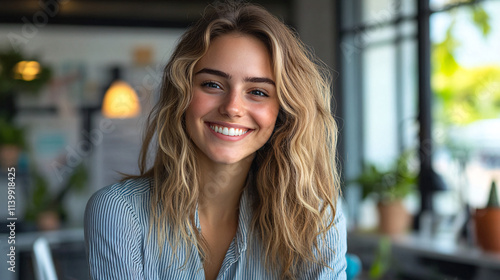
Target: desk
414,257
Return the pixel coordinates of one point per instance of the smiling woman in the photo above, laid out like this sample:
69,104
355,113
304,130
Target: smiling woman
244,182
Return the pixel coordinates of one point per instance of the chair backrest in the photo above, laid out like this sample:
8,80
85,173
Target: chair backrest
42,260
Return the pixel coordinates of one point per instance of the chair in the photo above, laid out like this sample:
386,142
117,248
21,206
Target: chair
42,260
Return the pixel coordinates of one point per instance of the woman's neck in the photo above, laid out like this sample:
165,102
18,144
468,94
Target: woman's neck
221,188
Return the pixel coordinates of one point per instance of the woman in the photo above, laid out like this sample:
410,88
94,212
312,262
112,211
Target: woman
244,182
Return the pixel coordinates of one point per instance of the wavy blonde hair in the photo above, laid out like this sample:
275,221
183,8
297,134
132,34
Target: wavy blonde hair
295,185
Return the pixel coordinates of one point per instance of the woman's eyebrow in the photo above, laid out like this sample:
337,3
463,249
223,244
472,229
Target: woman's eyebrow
259,80
214,72
227,76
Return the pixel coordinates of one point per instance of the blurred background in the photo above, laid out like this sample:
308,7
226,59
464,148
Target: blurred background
416,95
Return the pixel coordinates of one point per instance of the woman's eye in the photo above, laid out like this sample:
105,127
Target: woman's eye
211,85
259,93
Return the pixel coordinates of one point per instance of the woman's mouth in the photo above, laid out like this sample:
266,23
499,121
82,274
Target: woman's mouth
228,131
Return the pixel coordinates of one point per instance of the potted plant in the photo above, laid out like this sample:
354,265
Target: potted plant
389,188
487,222
18,74
46,207
11,143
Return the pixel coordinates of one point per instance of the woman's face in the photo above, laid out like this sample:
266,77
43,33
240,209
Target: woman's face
235,104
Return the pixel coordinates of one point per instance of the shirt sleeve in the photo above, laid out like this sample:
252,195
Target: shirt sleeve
333,250
112,237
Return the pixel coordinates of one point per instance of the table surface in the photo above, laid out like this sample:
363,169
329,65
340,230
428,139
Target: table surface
438,247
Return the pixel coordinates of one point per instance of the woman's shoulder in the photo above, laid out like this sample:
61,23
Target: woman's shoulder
126,189
336,235
132,194
115,219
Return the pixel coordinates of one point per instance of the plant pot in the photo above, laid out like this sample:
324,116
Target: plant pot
487,225
48,221
394,219
9,155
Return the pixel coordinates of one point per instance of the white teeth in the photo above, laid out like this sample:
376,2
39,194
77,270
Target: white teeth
228,131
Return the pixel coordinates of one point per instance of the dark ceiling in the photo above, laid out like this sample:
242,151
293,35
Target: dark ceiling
149,13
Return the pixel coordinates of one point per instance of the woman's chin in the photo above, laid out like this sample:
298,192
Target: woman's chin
230,159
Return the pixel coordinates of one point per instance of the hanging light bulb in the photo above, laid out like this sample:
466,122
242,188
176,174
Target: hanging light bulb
26,70
120,101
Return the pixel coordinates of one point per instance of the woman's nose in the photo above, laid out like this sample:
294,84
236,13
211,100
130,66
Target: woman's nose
232,104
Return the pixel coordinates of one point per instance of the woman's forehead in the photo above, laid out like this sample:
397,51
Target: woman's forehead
237,54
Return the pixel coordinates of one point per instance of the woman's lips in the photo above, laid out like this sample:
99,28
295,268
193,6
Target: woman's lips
228,130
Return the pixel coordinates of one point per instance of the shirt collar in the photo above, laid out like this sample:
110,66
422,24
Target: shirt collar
244,219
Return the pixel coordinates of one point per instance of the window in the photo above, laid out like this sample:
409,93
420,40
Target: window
379,84
381,59
465,73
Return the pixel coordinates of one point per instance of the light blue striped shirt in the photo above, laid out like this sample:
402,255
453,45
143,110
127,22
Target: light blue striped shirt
117,244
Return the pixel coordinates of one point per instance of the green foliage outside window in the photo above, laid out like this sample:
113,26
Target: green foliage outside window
464,94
